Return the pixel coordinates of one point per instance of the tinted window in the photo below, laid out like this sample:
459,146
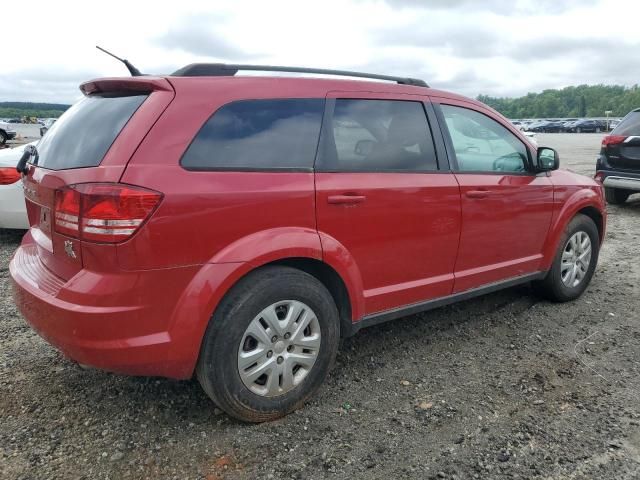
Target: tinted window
84,133
630,125
258,134
378,135
481,144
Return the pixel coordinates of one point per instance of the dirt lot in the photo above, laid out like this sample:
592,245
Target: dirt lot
505,386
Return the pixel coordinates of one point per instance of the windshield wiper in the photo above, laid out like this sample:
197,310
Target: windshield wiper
29,151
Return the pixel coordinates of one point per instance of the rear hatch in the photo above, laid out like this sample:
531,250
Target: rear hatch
82,158
622,146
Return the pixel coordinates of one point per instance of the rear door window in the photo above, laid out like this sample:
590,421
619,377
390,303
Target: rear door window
378,136
83,134
258,135
630,125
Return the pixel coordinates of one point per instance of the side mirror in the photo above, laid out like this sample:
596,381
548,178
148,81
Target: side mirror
364,147
548,159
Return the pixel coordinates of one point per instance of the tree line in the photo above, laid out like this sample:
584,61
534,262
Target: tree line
580,101
31,109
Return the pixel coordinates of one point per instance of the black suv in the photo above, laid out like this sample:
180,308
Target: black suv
618,166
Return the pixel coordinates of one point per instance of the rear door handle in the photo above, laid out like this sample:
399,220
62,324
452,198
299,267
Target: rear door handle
478,193
345,199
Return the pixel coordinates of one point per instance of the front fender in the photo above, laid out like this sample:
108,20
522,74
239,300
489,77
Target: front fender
568,202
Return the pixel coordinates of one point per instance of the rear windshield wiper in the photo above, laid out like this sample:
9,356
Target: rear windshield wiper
29,151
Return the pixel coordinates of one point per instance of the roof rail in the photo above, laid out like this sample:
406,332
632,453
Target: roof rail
229,70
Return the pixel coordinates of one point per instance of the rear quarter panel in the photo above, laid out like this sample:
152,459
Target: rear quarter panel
218,216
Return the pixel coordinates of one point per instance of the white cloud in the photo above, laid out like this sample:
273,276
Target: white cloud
499,47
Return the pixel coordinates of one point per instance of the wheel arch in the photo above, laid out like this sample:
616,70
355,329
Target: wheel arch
597,217
200,300
331,279
584,201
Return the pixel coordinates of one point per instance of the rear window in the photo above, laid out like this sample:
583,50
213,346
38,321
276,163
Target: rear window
258,135
83,134
630,125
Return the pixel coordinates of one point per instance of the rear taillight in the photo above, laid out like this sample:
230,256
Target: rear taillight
103,212
9,175
613,140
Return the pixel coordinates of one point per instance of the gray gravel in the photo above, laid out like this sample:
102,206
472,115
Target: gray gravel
504,386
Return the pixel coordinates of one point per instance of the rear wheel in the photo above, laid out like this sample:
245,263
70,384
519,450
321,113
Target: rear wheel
3,137
616,196
574,263
269,345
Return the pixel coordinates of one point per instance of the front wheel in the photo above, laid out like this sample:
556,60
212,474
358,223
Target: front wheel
3,138
269,345
616,196
574,263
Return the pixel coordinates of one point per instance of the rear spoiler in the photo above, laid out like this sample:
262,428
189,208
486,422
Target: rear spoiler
126,84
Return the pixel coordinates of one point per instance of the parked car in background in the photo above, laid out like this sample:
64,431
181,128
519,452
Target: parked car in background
13,212
618,165
234,228
586,126
46,125
547,127
614,123
7,132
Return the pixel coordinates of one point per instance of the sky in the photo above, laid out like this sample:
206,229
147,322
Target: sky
501,48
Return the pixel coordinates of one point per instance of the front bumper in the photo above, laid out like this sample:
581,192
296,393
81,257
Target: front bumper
122,322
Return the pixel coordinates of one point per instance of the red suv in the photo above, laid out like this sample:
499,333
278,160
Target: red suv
236,227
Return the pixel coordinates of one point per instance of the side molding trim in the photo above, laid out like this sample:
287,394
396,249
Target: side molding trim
387,315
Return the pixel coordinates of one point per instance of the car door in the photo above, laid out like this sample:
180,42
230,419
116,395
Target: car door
506,206
382,196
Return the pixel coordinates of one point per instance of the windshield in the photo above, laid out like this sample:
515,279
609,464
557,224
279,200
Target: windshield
84,133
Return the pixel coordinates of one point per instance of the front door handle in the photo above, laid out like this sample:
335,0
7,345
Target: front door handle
478,193
345,199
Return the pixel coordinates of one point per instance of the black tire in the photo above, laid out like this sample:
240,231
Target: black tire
552,287
3,137
217,369
616,196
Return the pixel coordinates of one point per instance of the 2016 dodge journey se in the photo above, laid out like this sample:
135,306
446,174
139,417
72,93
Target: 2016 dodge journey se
235,227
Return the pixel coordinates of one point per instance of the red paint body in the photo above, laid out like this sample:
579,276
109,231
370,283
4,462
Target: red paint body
141,306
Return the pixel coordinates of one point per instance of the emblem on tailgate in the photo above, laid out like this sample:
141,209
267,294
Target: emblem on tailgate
68,247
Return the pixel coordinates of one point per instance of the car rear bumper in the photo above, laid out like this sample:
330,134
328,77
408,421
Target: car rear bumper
13,211
123,322
620,179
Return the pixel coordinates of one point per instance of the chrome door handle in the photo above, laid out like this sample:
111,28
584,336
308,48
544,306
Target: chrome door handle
478,193
345,199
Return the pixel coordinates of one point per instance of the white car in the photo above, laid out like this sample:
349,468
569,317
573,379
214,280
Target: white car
7,132
13,212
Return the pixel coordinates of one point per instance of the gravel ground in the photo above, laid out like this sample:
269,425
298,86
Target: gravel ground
504,386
